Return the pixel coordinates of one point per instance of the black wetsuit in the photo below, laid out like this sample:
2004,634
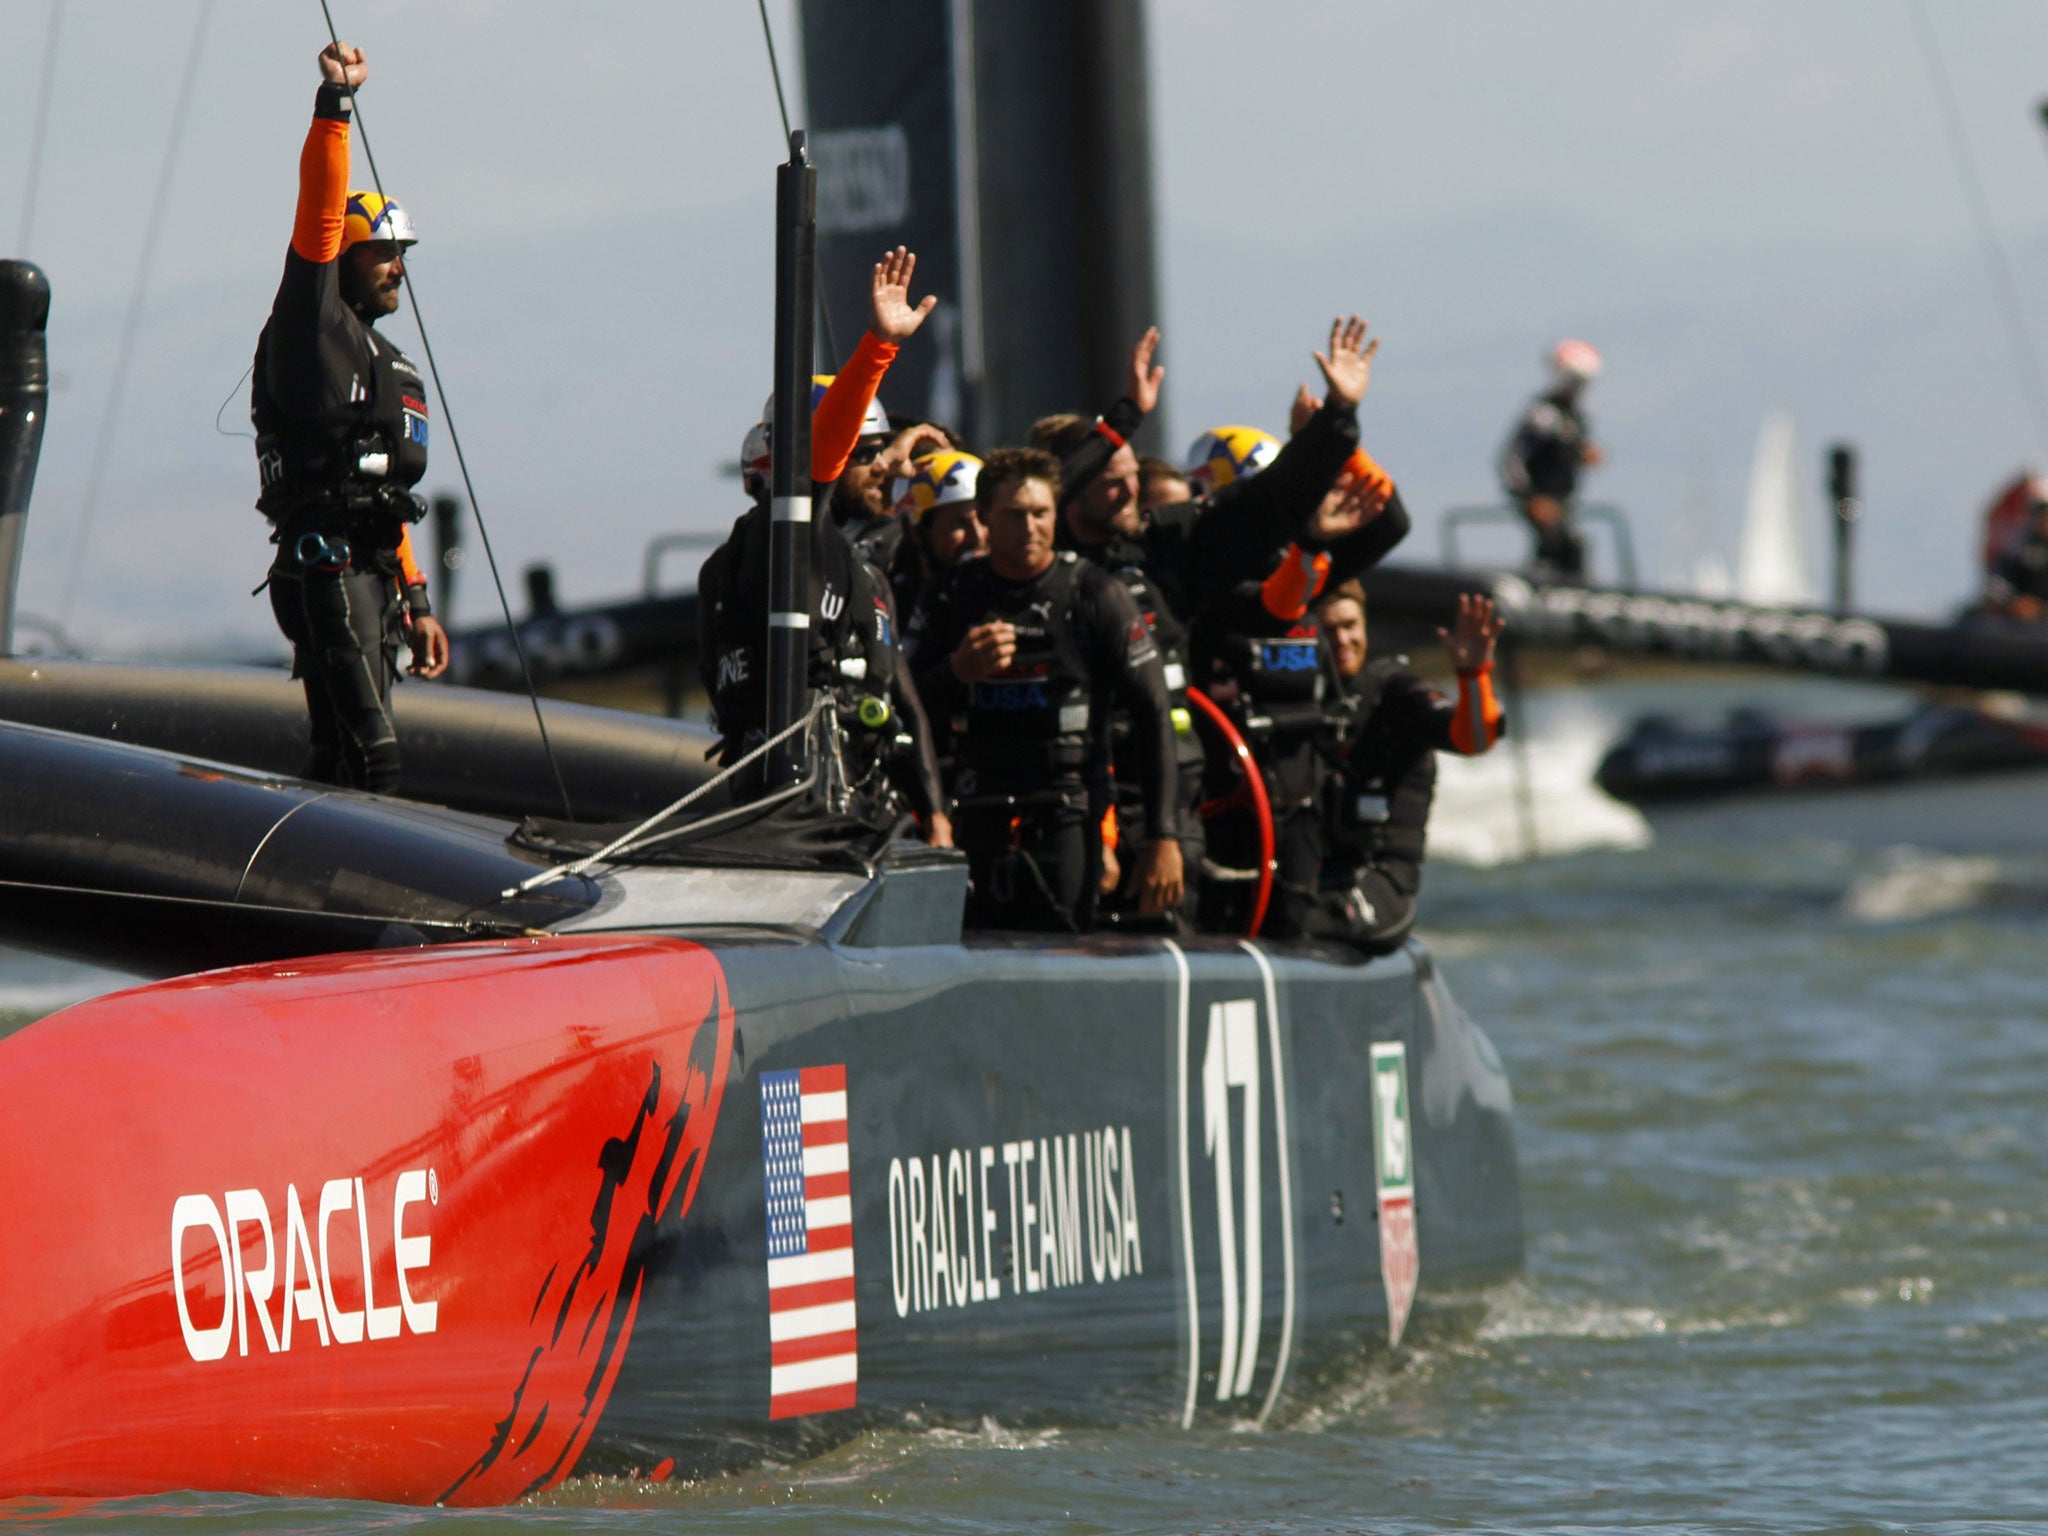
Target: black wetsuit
2021,571
1189,555
341,439
1544,458
853,653
1032,743
1375,808
1277,680
1124,559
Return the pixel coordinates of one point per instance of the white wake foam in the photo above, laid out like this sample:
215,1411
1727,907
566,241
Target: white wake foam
1916,886
1487,813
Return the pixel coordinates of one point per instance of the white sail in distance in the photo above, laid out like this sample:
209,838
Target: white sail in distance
1771,568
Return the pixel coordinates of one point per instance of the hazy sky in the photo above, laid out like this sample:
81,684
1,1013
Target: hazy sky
1747,206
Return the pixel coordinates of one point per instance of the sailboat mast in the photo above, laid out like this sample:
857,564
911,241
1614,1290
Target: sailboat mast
789,516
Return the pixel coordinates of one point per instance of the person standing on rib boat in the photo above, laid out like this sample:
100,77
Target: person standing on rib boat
1540,466
2017,587
1376,803
341,439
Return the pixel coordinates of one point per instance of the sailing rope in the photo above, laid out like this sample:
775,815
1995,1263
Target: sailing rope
38,134
131,327
462,463
2005,291
634,839
782,105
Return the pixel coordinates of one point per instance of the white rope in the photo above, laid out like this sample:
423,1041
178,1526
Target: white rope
624,844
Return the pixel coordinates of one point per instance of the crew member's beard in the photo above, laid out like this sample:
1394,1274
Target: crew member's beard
849,504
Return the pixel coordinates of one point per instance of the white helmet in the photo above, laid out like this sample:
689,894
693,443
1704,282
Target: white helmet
1575,360
756,460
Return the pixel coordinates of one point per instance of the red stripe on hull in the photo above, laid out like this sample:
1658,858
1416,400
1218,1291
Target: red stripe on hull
819,1400
822,1079
795,1351
824,1133
824,1238
821,1186
787,1298
454,1151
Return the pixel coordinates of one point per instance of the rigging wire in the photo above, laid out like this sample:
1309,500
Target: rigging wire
38,135
636,836
234,389
462,464
782,105
2004,289
117,392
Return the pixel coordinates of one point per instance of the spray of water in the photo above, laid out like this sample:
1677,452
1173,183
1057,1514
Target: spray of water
1476,819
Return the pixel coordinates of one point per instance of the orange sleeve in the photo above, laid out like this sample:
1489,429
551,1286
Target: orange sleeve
1361,466
1475,726
835,425
1294,583
1109,832
323,191
408,567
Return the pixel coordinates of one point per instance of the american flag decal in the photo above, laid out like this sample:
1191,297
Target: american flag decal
812,1339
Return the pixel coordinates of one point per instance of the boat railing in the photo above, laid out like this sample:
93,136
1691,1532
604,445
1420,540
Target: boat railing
665,544
1456,519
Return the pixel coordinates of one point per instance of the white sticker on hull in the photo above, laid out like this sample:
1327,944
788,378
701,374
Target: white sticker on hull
1393,1162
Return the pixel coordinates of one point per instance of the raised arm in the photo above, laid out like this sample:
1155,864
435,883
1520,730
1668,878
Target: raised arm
311,288
1113,428
1476,724
1249,519
836,424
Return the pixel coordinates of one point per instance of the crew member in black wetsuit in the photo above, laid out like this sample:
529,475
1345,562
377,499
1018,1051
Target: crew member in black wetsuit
1183,556
1028,650
1100,521
1261,657
852,630
341,439
1540,465
1376,803
2017,587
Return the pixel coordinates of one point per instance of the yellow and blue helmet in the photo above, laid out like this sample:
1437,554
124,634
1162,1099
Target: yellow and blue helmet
941,479
1227,454
373,216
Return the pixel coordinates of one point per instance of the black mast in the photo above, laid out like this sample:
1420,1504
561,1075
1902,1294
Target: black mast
24,402
789,517
1842,492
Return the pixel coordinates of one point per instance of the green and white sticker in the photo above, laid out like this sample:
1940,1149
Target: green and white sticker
1393,1164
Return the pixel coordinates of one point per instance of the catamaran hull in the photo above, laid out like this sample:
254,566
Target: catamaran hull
455,1224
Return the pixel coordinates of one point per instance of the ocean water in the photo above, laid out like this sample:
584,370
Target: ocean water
1780,1111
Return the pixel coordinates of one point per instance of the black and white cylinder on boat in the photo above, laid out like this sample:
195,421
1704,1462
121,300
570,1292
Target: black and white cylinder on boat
24,402
789,528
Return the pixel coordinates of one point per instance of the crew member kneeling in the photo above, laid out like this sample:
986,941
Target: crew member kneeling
1029,650
1376,804
341,439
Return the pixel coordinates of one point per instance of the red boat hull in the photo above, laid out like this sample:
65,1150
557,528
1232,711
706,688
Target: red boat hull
427,1178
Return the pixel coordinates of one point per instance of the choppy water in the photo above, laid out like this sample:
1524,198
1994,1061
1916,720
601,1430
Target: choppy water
1783,1148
